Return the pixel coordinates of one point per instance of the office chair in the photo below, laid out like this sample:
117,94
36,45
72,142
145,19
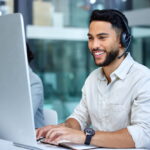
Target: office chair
50,117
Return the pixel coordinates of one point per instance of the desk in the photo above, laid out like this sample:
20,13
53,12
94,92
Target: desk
7,145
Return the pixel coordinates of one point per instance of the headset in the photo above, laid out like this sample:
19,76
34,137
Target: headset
125,37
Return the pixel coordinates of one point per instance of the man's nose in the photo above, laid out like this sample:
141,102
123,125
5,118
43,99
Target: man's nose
95,44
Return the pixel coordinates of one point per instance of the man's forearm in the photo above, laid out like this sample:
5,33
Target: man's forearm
117,139
72,123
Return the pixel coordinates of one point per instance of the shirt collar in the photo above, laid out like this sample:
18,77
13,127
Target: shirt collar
122,71
101,75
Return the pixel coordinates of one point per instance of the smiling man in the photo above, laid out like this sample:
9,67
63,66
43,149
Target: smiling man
115,97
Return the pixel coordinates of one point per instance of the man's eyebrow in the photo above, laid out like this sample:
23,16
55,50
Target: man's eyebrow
100,34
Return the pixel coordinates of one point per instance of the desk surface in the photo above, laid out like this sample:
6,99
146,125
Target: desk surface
7,145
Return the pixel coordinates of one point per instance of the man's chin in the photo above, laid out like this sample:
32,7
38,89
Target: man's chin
99,64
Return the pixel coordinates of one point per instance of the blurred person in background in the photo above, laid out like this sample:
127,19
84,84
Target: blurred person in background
36,93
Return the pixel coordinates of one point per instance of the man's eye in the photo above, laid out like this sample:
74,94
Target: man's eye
89,38
102,37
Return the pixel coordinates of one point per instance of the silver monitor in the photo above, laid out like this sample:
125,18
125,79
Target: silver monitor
16,116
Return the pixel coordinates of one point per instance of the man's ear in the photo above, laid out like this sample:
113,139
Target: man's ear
119,40
120,45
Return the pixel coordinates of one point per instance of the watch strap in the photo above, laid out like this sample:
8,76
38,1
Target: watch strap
88,139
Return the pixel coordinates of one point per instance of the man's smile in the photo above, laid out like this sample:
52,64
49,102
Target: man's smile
98,53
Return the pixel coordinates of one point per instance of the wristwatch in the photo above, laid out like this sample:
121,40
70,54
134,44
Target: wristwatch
89,132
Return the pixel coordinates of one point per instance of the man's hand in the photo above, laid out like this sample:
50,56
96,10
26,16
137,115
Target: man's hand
55,134
41,132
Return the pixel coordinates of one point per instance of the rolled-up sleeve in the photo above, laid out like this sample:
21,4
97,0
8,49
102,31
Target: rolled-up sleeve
81,113
140,117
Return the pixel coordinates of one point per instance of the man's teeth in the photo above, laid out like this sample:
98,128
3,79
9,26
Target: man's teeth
99,53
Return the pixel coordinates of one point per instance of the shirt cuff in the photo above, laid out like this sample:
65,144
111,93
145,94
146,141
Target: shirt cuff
139,136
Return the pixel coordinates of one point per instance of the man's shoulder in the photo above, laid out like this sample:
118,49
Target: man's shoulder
140,70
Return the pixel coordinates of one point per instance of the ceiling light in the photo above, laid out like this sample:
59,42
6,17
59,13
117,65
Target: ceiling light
92,1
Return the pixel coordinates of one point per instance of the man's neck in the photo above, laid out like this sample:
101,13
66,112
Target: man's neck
112,67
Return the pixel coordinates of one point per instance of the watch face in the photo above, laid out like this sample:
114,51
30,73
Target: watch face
89,131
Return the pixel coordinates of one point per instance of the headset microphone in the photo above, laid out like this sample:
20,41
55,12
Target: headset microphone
124,53
126,48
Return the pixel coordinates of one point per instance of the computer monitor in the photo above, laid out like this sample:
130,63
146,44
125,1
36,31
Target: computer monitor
16,114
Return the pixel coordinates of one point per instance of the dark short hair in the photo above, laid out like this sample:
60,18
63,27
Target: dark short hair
115,17
29,53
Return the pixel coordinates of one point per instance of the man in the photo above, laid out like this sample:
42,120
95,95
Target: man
115,97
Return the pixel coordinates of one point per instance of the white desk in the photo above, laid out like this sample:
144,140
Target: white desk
7,145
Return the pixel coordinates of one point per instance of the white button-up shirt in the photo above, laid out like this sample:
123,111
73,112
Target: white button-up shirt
123,103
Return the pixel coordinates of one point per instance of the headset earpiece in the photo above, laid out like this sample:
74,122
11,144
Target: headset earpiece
124,39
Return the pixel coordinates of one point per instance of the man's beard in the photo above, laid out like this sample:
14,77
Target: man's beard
110,57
